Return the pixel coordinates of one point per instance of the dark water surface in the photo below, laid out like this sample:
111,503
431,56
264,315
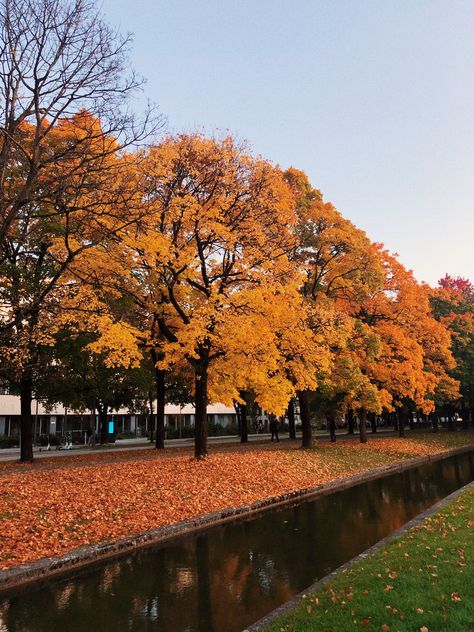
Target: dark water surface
230,576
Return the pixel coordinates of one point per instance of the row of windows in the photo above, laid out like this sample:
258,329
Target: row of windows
46,424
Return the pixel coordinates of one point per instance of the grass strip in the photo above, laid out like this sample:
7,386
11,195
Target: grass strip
422,581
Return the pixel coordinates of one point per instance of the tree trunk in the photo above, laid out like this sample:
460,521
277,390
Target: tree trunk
160,409
291,418
411,420
152,417
303,398
102,408
363,426
401,423
373,422
200,402
160,389
92,423
26,419
464,416
435,419
244,434
451,426
350,421
332,427
395,420
237,408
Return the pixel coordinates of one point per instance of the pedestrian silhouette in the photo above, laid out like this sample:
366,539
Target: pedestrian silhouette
274,428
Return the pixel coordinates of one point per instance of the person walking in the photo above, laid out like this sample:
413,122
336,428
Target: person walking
274,428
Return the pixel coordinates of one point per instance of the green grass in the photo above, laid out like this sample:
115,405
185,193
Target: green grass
443,437
423,580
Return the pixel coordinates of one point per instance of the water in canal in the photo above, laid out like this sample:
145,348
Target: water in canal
230,576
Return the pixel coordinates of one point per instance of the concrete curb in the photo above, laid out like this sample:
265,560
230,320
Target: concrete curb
261,624
46,568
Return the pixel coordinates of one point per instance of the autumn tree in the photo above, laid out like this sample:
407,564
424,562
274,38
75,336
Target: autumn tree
80,379
284,357
414,349
64,125
452,303
211,262
38,286
347,389
58,58
340,267
387,350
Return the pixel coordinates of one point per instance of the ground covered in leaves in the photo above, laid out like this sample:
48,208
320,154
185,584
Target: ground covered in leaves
59,504
421,582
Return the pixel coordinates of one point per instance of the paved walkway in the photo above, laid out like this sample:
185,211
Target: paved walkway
142,443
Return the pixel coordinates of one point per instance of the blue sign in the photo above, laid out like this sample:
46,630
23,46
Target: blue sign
111,427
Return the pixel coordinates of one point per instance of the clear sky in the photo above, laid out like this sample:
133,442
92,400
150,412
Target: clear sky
374,99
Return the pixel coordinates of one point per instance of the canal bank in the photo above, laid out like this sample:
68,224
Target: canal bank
99,558
51,508
226,577
47,568
388,562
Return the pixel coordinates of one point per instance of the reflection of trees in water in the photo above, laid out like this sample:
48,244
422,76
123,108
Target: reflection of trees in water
230,576
204,608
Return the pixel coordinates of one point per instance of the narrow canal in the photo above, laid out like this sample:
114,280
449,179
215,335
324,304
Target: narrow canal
230,576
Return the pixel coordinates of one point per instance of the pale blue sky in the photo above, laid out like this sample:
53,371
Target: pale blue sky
374,99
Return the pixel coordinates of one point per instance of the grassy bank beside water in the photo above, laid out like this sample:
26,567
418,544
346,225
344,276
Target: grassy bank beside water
420,582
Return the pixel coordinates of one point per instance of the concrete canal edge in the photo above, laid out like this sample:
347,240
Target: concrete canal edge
264,622
48,568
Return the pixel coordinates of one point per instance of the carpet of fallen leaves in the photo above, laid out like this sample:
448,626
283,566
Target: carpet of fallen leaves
59,504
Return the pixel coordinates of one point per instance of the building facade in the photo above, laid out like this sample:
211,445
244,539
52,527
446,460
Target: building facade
56,421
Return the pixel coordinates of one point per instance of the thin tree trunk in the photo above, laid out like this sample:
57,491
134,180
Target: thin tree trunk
451,426
237,414
160,409
103,423
92,423
26,419
411,420
160,389
435,419
244,434
350,421
401,423
291,418
464,416
303,398
200,402
332,427
373,423
151,418
363,426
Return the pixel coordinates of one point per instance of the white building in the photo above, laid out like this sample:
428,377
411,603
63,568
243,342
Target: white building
58,420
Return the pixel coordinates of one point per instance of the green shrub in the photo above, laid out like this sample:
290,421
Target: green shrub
126,435
217,430
9,442
44,439
186,433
